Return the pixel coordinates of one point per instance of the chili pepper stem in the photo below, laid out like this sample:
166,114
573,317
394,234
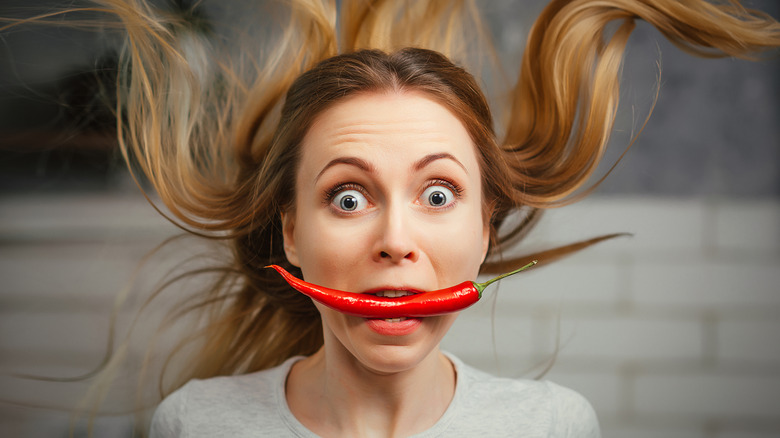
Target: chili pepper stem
481,286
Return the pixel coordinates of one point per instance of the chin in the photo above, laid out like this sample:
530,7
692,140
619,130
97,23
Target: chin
359,342
394,359
391,354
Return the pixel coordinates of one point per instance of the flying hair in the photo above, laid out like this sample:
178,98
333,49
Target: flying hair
215,127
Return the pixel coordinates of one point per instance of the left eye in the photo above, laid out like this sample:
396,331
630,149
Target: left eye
437,196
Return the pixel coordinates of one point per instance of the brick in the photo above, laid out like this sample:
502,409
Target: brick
748,226
658,430
658,224
748,432
627,338
80,217
49,393
509,348
707,284
753,341
83,271
76,332
572,281
28,422
51,272
710,395
601,388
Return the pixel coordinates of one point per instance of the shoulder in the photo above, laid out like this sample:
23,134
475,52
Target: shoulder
574,415
219,406
538,408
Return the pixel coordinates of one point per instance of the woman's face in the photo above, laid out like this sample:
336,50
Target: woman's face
388,197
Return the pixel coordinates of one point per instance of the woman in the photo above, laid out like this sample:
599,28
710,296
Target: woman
373,171
388,193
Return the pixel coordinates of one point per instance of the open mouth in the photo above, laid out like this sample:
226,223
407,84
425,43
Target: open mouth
393,293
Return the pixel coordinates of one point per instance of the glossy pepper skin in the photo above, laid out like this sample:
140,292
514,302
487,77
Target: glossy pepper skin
439,302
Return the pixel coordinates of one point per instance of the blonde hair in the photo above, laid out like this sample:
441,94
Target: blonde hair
218,139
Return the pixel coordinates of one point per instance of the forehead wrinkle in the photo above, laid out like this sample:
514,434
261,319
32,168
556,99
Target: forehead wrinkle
407,126
364,137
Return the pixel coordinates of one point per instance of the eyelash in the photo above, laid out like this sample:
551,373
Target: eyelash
455,188
338,188
331,193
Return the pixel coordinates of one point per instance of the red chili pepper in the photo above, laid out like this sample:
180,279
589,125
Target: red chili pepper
440,302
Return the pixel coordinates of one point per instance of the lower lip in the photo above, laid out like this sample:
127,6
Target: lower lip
388,328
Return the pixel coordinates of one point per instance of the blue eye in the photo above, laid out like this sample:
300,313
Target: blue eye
437,196
350,200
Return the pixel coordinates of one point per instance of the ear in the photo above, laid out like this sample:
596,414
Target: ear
288,232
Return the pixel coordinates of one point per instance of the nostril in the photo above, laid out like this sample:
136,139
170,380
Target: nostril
390,255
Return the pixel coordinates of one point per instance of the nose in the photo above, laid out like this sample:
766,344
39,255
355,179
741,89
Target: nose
395,241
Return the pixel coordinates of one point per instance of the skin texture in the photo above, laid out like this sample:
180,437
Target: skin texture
388,153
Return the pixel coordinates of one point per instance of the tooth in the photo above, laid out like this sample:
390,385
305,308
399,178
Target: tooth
393,293
395,319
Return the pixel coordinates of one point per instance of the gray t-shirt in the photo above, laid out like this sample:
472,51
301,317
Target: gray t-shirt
254,405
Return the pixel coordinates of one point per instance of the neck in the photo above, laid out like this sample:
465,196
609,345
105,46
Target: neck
335,395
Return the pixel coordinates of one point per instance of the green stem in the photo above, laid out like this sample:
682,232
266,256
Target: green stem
481,286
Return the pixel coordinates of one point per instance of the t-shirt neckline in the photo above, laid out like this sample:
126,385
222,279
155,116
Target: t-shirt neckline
302,431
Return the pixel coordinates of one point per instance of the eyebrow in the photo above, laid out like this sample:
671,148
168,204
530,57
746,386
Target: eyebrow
428,159
368,167
352,161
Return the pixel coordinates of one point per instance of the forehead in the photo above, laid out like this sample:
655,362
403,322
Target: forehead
387,123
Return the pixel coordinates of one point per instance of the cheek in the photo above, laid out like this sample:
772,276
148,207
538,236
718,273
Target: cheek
327,248
456,246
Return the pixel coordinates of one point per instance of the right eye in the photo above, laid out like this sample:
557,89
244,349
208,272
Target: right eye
350,201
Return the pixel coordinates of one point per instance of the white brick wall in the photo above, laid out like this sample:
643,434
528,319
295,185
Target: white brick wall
669,333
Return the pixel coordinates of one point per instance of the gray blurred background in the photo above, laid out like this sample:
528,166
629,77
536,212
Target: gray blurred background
714,133
669,333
